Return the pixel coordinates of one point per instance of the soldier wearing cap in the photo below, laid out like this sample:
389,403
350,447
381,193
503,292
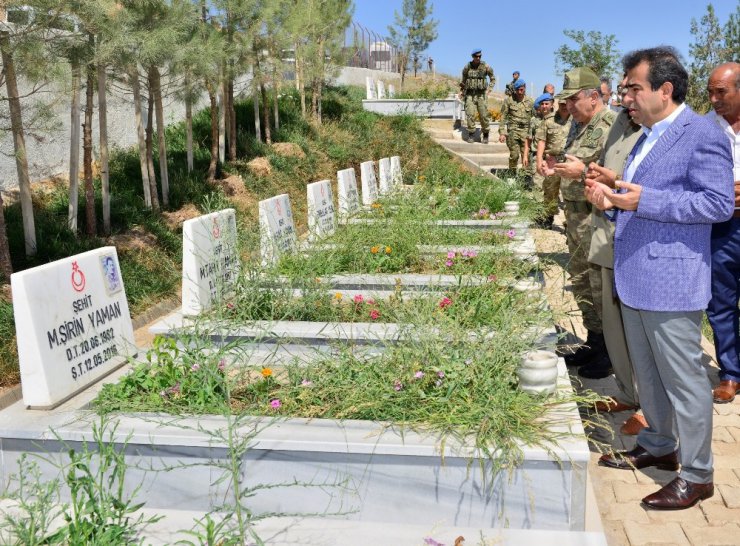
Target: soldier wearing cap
542,108
474,89
585,142
510,86
551,137
516,114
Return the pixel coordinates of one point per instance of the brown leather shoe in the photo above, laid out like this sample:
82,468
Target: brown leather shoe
639,458
679,494
726,390
612,405
633,425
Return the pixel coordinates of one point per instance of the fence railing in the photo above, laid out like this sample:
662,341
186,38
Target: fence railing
366,48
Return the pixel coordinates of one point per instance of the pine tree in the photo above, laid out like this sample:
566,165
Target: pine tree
707,51
413,31
595,50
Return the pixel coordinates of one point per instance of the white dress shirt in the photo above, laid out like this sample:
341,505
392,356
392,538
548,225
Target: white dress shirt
653,134
734,141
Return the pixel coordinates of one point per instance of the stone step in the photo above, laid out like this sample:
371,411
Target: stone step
441,133
488,159
460,146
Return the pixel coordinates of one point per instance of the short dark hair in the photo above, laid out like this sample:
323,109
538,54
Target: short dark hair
607,81
664,65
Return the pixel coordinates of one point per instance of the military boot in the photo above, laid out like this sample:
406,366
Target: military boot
597,369
484,138
469,139
589,352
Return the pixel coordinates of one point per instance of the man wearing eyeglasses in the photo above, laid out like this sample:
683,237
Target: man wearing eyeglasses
474,88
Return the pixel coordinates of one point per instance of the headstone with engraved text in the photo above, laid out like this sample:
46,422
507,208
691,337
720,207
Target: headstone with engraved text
384,174
381,89
210,260
347,195
73,325
396,174
321,218
369,183
277,230
370,87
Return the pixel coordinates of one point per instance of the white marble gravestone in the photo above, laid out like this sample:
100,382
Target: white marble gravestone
391,91
73,325
381,89
384,174
396,175
348,197
277,230
321,218
369,183
210,260
370,87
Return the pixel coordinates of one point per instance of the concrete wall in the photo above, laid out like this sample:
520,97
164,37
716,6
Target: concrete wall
48,152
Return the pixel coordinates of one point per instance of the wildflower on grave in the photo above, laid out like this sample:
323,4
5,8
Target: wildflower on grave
510,234
449,263
266,372
440,374
358,298
376,205
492,278
275,403
397,385
306,383
375,314
464,253
445,302
370,301
338,296
221,365
163,393
429,541
419,374
229,305
388,250
195,367
375,249
472,253
422,178
175,389
451,255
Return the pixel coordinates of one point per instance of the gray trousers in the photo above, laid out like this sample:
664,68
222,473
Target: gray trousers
675,392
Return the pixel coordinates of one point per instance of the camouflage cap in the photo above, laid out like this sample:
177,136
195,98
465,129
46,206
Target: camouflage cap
576,80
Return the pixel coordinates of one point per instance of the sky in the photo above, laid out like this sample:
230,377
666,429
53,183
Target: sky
523,34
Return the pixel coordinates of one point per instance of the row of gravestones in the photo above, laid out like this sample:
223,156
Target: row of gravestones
72,316
376,90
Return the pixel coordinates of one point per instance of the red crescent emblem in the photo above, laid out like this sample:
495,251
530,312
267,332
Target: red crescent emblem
78,278
321,187
278,208
216,229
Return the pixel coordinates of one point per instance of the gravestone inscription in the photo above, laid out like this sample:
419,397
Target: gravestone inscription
348,197
321,218
369,183
277,230
384,173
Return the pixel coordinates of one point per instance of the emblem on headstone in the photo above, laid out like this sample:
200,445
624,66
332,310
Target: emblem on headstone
111,275
216,229
78,278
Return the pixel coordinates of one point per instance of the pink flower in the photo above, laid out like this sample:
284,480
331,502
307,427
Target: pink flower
375,314
358,298
440,374
419,374
229,305
306,383
275,403
397,385
510,234
429,541
195,367
449,263
491,278
221,365
370,301
464,253
472,253
445,302
450,255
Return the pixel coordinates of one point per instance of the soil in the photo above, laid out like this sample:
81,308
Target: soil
175,219
260,166
288,149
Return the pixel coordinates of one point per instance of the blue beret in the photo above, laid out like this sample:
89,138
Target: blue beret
519,83
516,72
541,98
476,51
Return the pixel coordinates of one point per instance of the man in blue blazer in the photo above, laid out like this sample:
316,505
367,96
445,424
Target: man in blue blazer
677,183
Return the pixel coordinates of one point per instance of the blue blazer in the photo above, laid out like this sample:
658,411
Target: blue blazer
662,251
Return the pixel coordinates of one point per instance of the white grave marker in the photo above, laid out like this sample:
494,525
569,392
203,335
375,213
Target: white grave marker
381,89
348,198
210,260
73,325
391,91
370,87
396,175
321,218
369,183
277,231
384,173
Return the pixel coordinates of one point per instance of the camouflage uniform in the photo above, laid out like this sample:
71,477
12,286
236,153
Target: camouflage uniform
586,143
534,124
474,86
515,122
554,131
510,88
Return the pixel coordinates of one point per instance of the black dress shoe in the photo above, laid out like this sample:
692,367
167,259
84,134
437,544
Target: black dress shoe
593,349
639,458
679,494
599,369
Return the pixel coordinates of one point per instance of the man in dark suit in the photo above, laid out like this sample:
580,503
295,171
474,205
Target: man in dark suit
677,183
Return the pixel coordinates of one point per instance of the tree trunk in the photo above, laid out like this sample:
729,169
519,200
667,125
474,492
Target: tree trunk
19,145
221,124
103,122
6,266
74,147
266,113
149,142
134,80
301,81
90,223
232,122
275,98
213,165
257,126
189,122
159,111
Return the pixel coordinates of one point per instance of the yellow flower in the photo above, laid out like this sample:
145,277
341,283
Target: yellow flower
422,178
375,249
338,296
376,205
388,250
266,372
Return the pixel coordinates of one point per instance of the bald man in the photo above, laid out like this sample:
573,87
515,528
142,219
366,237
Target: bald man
723,312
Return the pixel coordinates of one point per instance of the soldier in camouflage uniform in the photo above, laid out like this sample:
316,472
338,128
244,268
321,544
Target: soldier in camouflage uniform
516,114
551,137
510,86
588,131
474,88
542,108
